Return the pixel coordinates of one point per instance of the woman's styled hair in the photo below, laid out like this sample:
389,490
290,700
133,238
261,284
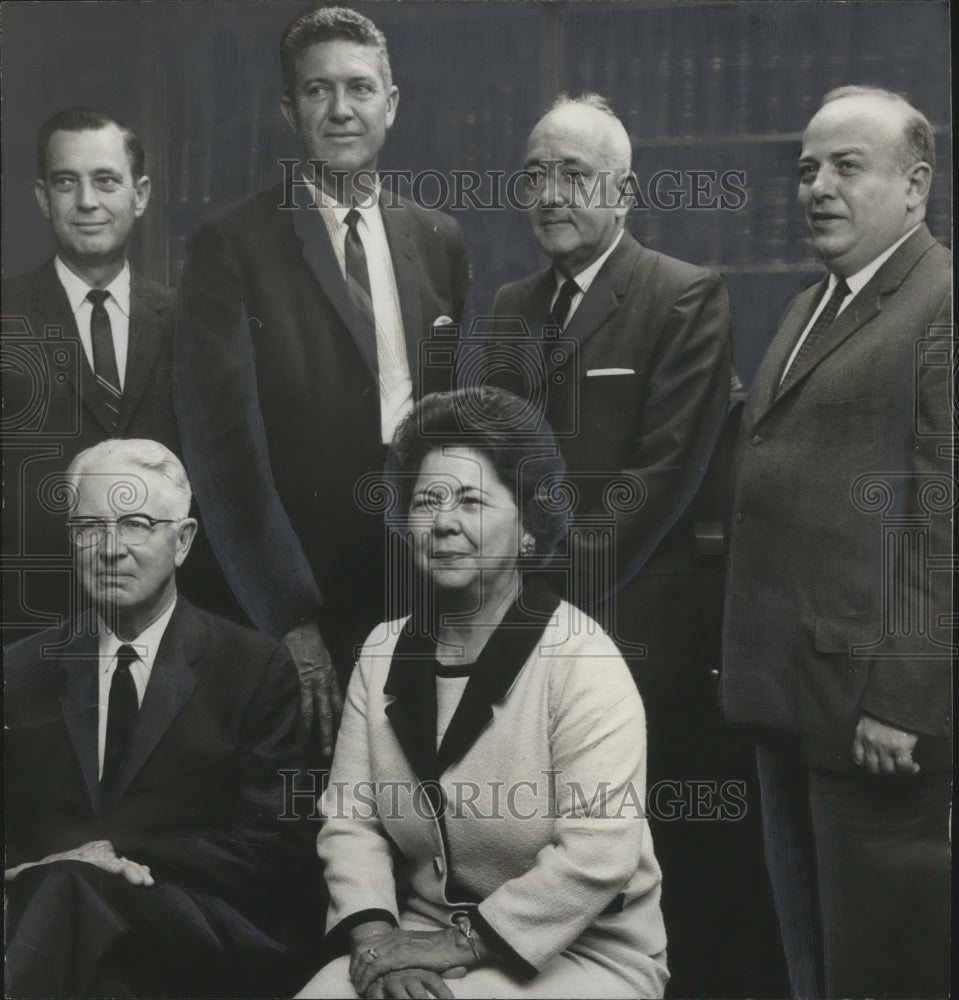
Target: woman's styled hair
515,439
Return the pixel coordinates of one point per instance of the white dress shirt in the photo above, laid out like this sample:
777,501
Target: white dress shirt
146,645
117,307
584,279
396,385
856,282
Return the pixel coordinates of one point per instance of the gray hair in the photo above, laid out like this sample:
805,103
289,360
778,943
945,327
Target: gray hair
619,148
918,144
151,456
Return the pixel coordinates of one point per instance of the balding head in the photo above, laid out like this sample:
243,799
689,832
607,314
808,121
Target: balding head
592,115
917,141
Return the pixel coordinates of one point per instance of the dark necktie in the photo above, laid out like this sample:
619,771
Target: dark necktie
122,712
560,311
358,275
823,321
104,357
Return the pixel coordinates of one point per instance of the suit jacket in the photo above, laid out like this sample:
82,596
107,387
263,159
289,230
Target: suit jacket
842,505
278,399
199,796
665,325
52,409
541,832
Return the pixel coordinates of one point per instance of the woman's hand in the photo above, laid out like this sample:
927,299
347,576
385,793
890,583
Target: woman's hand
405,983
446,952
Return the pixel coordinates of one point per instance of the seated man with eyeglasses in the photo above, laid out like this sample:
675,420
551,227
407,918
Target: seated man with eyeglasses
146,742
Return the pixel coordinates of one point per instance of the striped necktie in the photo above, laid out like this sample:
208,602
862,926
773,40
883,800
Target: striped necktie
823,321
358,274
104,356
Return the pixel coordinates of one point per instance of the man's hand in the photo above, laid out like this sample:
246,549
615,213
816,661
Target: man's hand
882,748
96,852
444,953
319,691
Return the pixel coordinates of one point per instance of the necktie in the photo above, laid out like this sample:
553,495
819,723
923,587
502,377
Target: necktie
560,311
823,321
122,712
357,273
104,357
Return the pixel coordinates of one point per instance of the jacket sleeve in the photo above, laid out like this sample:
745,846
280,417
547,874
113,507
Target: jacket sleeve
687,398
601,839
225,446
910,686
352,844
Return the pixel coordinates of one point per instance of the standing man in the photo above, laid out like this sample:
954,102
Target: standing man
300,319
639,388
87,349
145,747
636,385
837,646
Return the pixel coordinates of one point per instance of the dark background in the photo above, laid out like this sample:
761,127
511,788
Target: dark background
700,86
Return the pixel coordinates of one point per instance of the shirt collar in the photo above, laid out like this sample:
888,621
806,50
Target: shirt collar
76,288
858,281
323,200
146,643
586,277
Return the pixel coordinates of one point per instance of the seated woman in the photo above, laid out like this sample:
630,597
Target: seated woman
484,830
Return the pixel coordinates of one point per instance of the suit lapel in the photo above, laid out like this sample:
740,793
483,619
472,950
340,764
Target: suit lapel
321,259
412,685
600,301
766,384
604,294
144,346
412,712
52,307
80,704
863,308
860,310
407,271
171,683
498,665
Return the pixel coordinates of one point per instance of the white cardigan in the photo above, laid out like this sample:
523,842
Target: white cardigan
543,833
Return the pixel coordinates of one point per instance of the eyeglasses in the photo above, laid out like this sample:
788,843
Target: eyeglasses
131,529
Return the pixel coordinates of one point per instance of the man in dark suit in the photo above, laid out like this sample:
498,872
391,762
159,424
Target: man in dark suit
837,644
636,382
146,853
87,350
300,319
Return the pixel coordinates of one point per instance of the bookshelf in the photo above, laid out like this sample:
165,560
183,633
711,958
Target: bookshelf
701,86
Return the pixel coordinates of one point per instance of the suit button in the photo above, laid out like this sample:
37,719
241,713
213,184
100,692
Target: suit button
757,440
714,672
739,518
438,866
